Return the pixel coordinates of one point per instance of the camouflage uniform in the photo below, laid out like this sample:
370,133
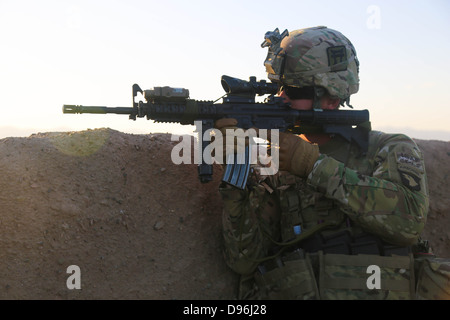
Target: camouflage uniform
382,193
315,238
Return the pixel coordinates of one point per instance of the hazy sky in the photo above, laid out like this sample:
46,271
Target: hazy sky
91,52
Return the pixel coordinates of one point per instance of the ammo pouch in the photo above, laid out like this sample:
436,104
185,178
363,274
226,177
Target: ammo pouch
433,279
337,277
352,277
292,279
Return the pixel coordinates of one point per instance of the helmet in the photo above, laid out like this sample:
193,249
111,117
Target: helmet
313,57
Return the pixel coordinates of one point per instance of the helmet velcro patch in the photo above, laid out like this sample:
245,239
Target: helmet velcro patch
337,58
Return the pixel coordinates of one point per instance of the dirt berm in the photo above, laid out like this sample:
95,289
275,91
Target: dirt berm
137,225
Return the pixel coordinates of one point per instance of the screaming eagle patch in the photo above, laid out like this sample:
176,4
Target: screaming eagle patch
411,170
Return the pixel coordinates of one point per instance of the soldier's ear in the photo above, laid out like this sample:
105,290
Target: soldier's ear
329,103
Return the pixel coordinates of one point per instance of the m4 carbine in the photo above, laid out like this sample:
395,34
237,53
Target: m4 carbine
166,104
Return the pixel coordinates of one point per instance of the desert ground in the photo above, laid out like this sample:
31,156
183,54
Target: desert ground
137,225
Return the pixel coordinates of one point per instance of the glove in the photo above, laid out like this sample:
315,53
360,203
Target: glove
222,125
297,155
230,147
225,123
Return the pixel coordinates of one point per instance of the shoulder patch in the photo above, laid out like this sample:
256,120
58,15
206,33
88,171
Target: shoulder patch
409,159
411,169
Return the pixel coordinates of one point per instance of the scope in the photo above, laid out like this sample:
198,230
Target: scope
252,87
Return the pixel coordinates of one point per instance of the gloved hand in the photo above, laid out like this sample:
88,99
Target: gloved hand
297,155
241,139
225,123
222,125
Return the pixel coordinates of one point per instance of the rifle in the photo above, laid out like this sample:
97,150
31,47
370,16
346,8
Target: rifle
166,104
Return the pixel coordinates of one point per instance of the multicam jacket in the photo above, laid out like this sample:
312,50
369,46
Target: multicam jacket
382,194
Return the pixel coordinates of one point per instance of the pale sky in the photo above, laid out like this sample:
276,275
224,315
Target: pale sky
92,52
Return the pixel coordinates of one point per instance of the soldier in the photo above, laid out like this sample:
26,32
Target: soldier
316,228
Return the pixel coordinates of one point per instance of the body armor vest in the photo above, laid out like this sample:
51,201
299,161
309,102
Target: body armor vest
329,262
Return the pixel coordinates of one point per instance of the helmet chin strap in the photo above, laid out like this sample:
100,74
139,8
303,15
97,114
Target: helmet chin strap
319,92
347,101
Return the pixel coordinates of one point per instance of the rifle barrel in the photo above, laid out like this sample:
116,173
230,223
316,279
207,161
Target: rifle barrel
95,109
